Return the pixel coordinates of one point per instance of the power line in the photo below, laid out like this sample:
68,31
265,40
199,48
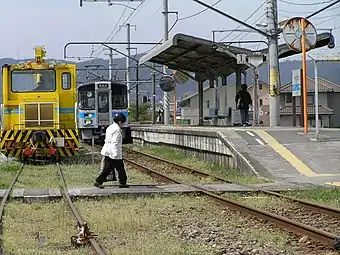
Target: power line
172,26
322,22
110,39
247,33
251,15
114,28
292,12
306,4
198,13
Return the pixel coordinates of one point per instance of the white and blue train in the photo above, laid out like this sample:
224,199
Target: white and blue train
97,104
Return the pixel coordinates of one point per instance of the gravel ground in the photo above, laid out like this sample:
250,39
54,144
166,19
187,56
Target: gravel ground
290,210
195,225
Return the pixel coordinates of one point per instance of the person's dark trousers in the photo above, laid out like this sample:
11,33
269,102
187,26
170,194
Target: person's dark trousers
110,164
244,116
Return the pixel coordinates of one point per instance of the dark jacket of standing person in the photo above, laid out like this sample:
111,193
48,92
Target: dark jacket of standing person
243,98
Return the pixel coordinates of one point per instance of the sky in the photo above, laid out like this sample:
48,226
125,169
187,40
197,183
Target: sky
53,23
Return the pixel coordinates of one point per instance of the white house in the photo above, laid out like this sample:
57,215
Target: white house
225,103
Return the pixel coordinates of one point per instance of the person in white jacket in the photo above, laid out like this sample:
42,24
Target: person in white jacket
113,153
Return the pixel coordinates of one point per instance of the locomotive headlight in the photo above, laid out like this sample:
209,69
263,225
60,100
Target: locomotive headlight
90,115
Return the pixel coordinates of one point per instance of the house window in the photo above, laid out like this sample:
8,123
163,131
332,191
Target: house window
289,98
208,104
261,102
260,86
310,99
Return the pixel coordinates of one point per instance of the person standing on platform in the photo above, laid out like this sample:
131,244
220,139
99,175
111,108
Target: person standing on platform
113,153
243,101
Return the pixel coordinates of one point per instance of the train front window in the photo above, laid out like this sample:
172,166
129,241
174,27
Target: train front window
86,100
33,80
103,102
119,96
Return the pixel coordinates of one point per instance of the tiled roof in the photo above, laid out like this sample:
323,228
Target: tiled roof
323,110
324,86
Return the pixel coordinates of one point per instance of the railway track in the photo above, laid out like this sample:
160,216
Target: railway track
85,236
326,238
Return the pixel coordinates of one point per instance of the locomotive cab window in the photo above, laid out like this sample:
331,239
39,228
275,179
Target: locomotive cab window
103,102
66,81
119,96
33,81
86,100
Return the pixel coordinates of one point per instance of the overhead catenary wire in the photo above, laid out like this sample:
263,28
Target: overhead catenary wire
198,13
248,18
306,4
111,37
304,12
180,19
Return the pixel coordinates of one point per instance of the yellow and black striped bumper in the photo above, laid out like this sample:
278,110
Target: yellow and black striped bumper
13,142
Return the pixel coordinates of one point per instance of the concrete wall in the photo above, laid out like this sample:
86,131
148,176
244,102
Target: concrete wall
208,146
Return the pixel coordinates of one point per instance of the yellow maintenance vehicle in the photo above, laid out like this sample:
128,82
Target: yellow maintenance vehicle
38,109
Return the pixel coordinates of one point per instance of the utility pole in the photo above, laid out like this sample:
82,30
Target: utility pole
137,94
166,96
111,64
274,82
153,94
128,50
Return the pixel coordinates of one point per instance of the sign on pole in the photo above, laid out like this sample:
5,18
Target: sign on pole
296,82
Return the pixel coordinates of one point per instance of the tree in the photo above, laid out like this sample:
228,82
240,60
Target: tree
144,112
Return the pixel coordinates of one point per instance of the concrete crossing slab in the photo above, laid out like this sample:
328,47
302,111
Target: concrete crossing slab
45,195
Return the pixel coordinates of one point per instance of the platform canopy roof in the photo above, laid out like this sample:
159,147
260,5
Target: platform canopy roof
188,53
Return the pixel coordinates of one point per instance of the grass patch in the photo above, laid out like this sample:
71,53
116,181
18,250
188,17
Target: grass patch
158,225
322,195
7,173
24,222
171,225
82,175
38,176
208,167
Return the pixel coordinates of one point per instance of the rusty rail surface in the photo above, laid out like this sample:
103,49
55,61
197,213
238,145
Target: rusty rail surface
318,235
4,200
94,244
309,205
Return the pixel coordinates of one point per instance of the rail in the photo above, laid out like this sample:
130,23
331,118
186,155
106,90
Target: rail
309,205
326,238
84,233
94,244
4,200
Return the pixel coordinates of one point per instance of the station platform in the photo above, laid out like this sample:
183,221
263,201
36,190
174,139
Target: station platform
45,195
280,153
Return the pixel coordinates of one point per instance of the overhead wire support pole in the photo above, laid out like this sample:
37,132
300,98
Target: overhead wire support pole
128,50
304,75
166,96
274,81
153,94
111,64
